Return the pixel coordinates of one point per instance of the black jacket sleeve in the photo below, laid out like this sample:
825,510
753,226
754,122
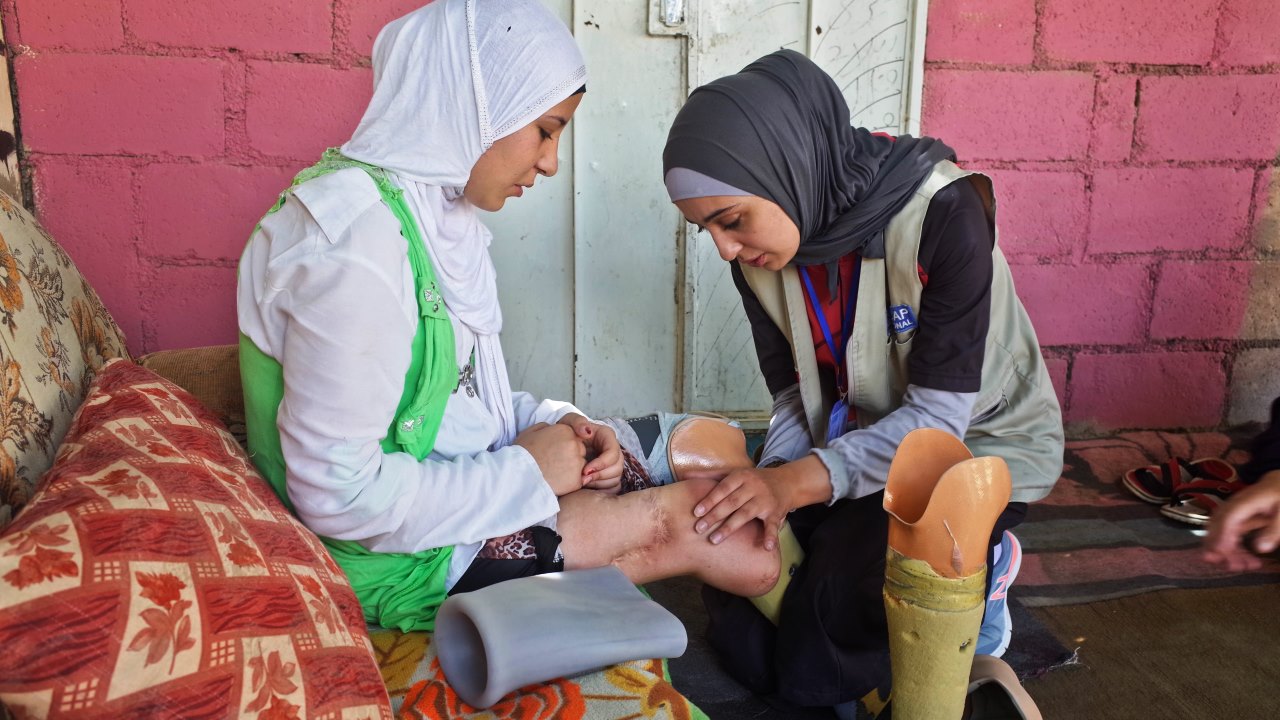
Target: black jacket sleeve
956,243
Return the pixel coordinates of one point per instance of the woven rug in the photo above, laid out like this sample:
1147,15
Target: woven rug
1091,540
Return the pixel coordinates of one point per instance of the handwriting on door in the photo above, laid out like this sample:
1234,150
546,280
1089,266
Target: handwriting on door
863,45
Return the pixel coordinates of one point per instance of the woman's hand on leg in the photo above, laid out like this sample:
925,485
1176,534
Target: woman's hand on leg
740,497
765,494
604,471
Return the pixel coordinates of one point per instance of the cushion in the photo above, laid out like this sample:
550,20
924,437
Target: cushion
54,333
211,374
155,574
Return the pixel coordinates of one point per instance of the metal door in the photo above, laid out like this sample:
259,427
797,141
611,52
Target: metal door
610,299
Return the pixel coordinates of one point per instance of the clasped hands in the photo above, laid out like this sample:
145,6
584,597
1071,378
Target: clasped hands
575,453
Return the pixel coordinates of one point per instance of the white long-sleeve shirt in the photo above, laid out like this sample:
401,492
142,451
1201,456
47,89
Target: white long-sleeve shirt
326,288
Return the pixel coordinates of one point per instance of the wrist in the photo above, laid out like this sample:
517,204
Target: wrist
801,482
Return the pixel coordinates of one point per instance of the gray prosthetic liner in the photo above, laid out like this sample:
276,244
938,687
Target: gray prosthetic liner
505,636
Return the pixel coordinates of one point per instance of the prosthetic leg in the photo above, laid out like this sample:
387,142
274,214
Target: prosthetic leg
708,447
942,504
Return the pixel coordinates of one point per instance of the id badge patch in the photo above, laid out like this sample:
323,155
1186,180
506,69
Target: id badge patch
839,418
901,318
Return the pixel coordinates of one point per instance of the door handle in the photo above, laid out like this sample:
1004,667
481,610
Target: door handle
672,12
668,17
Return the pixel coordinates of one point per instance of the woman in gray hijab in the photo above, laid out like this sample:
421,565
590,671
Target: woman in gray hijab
879,303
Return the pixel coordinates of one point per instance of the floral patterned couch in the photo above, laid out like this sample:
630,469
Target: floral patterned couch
146,569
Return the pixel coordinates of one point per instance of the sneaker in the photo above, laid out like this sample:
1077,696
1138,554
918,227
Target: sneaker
997,627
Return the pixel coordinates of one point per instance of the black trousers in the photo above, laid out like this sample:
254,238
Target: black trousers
832,642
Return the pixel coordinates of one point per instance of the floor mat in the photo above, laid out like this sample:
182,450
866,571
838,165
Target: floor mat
1091,540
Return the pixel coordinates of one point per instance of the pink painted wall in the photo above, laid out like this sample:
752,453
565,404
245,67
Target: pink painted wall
1133,143
158,132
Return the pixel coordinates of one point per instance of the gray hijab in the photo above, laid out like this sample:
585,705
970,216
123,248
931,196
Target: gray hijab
779,129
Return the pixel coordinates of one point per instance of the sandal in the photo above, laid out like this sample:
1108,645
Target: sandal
1196,501
1158,484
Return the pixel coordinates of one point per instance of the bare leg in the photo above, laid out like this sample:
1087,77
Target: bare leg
649,536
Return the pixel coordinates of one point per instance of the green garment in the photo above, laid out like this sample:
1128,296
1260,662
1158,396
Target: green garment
396,590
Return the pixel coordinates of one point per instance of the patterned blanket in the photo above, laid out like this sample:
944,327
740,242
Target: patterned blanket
640,689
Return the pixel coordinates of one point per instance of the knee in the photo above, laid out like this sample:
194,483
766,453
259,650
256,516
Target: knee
763,570
754,571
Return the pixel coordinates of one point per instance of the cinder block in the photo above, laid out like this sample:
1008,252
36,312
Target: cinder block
1262,318
1040,214
126,104
1090,304
1133,31
1266,223
73,24
1255,383
1113,118
983,31
1200,299
1153,209
1249,32
301,26
1148,390
988,115
205,210
1209,117
188,306
296,110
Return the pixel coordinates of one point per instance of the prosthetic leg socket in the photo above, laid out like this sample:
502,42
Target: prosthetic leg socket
701,446
505,636
942,506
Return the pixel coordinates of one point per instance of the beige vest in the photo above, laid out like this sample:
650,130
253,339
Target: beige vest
1016,416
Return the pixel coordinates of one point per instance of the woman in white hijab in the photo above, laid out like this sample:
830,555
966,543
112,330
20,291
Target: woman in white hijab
376,391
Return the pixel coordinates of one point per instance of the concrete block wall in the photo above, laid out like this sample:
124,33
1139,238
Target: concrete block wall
1134,146
1133,143
157,133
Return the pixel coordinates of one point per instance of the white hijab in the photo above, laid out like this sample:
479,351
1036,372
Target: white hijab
449,79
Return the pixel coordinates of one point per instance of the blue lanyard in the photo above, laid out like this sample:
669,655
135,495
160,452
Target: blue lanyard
846,329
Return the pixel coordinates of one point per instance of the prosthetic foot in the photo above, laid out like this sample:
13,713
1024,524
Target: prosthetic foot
942,504
708,447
